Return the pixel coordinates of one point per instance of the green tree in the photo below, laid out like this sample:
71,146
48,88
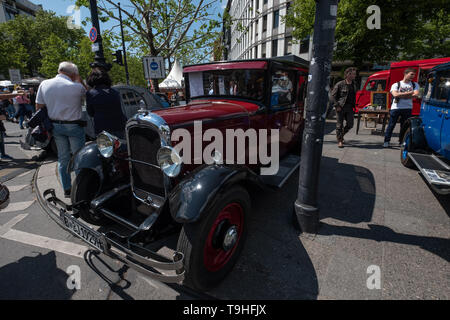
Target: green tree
54,51
13,55
181,29
409,29
31,33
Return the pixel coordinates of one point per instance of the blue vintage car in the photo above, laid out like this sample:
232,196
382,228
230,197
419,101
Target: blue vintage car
426,139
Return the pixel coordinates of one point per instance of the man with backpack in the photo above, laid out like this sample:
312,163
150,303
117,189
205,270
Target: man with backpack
402,92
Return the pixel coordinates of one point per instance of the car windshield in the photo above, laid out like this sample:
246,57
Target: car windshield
246,84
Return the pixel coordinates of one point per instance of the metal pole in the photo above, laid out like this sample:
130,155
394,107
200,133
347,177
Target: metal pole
123,46
306,206
99,60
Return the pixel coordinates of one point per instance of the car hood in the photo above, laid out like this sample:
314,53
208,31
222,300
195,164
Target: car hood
206,110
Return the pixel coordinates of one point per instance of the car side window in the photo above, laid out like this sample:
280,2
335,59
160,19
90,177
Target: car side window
442,86
130,102
283,92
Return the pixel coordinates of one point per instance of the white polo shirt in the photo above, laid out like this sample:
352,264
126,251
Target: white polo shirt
63,98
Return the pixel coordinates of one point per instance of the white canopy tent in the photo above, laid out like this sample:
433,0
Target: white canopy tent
175,78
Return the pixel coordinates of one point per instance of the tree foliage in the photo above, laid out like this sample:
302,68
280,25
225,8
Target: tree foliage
31,33
40,44
181,29
409,29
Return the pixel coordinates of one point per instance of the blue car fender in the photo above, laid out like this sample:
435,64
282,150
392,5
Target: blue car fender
88,157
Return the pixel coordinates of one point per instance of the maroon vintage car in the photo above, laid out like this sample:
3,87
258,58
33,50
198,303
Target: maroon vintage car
190,169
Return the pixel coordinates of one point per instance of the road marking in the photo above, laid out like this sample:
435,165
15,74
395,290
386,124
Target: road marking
150,282
17,206
31,239
11,223
24,174
17,188
65,247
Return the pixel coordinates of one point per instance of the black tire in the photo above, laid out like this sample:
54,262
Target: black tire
86,187
193,240
404,157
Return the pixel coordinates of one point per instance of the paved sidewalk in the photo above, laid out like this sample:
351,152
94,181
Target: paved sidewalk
375,214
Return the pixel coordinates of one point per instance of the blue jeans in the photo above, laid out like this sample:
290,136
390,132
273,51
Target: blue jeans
11,111
403,114
69,138
21,113
30,109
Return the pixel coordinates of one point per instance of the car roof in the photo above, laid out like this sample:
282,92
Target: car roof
444,66
289,59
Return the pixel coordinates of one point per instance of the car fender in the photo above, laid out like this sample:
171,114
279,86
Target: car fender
191,198
88,157
418,141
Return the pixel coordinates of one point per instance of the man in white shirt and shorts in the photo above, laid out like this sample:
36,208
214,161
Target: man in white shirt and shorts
403,92
63,96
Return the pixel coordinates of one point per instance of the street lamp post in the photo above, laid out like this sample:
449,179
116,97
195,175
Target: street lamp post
99,59
123,46
306,206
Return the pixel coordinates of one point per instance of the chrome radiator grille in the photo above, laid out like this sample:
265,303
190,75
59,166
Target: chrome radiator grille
144,144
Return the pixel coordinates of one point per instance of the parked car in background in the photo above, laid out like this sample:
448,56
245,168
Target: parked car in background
133,98
426,141
156,192
383,81
164,99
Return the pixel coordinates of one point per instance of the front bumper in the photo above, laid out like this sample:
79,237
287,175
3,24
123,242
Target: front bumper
116,246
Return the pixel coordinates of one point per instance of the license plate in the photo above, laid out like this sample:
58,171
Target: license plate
90,236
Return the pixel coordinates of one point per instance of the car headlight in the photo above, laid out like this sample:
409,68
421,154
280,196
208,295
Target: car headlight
170,161
107,143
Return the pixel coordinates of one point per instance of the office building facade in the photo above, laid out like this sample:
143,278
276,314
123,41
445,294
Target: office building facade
258,31
9,9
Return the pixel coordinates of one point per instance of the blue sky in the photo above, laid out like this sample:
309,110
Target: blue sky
61,8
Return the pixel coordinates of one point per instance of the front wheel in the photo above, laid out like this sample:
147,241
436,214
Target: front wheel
404,150
85,188
212,246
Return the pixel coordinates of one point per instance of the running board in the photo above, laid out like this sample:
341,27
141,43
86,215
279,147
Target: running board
288,165
435,171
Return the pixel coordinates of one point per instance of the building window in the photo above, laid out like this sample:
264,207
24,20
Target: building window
288,7
276,19
257,4
265,2
274,48
263,50
256,52
288,45
265,23
304,45
256,28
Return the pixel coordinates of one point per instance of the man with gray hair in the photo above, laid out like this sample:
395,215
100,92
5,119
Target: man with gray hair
63,97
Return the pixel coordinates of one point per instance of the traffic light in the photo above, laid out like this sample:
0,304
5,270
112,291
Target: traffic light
118,58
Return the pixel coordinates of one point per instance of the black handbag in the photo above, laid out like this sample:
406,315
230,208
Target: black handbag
41,118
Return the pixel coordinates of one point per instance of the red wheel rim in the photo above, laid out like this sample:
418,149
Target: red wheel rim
216,258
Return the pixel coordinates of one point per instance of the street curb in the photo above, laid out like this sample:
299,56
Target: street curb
42,202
